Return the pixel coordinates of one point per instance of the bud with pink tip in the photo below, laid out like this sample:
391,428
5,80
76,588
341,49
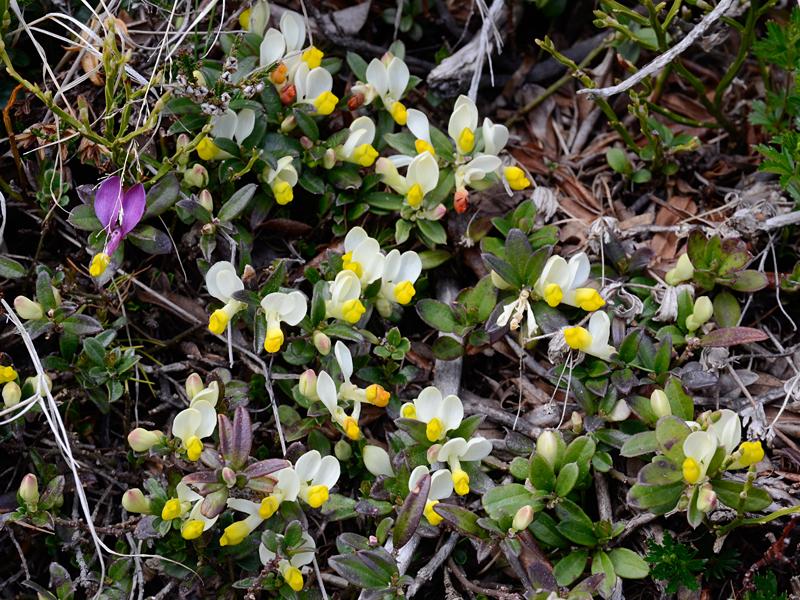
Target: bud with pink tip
141,440
134,501
28,309
29,491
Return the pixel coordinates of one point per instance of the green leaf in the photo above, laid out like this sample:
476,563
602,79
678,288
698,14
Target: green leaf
577,532
749,281
663,356
433,231
44,291
569,568
357,65
541,474
506,500
729,491
11,269
150,239
433,258
464,520
656,498
81,325
638,444
237,203
437,314
162,196
629,347
567,477
403,142
367,569
447,348
661,471
671,431
410,513
306,124
680,402
618,160
726,309
601,563
82,217
545,530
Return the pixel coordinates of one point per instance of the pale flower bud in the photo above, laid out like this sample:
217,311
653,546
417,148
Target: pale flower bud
682,271
547,446
523,518
322,343
134,501
499,282
703,310
199,78
577,422
437,212
433,453
28,309
308,384
37,388
329,158
342,450
205,200
194,385
706,498
29,491
620,412
377,461
196,176
229,476
12,394
288,124
659,404
141,440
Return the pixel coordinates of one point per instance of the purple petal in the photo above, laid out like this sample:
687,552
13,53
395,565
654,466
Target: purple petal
107,201
113,241
133,204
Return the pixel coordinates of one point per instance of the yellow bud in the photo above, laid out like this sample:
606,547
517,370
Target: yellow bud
172,509
194,448
466,140
577,338
218,321
352,310
282,191
434,429
294,578
516,178
399,113
433,517
683,270
7,374
207,149
244,19
408,411
274,340
424,146
192,529
351,429
12,394
377,395
589,299
269,507
365,155
691,470
461,482
99,264
313,57
325,103
234,534
317,496
415,195
752,453
553,294
404,292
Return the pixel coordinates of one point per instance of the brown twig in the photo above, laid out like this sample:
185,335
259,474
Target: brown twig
473,587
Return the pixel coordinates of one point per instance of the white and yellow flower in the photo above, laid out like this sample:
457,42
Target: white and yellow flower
285,47
281,180
235,533
317,476
222,283
358,147
727,427
699,448
286,488
373,394
419,126
473,173
400,273
187,501
343,298
517,312
495,136
197,391
255,18
593,339
441,488
193,424
387,79
563,281
363,256
313,86
377,461
440,414
291,570
463,125
280,308
229,125
421,177
458,450
326,391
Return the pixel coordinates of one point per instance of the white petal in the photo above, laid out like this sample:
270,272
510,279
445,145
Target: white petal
465,116
530,320
186,494
307,465
495,136
345,359
728,430
353,238
391,266
441,485
319,80
197,515
701,446
579,269
477,448
326,390
378,77
301,81
294,308
506,313
208,394
346,287
418,124
328,473
415,476
289,484
410,267
398,77
451,412
377,461
221,288
306,552
368,254
366,125
556,271
245,123
428,403
224,125
452,449
620,412
293,27
424,170
186,423
272,47
245,506
208,420
265,554
400,160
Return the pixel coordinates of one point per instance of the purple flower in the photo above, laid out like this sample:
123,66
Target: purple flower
119,212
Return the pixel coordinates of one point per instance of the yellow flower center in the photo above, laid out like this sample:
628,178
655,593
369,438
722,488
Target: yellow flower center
317,496
516,178
589,299
218,321
269,506
282,191
365,155
377,395
553,294
577,338
408,411
294,578
352,310
752,453
423,146
194,448
434,430
313,57
325,103
192,529
351,429
404,292
171,510
691,470
244,19
99,264
273,340
415,195
7,374
461,482
348,264
433,517
234,534
466,140
399,113
207,149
